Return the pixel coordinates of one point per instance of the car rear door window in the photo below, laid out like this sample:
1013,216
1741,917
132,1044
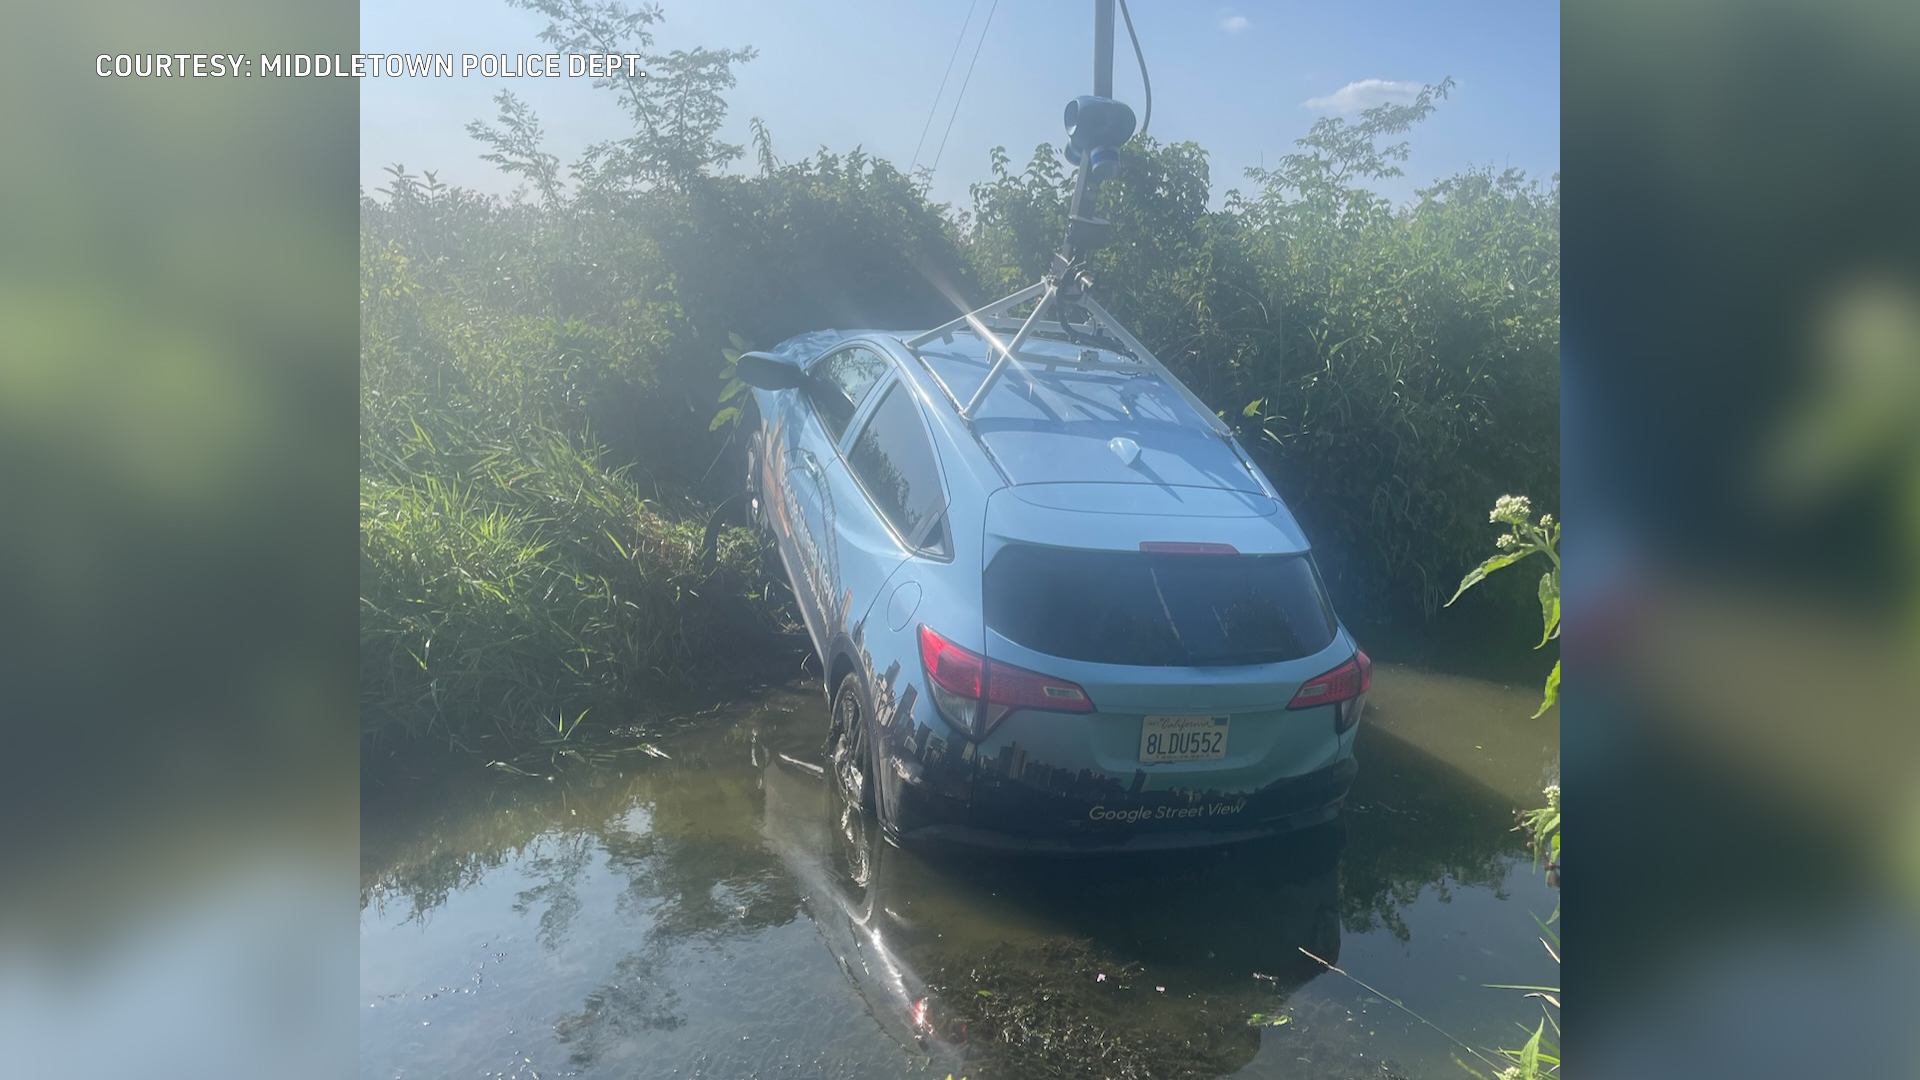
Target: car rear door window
853,371
1158,610
894,462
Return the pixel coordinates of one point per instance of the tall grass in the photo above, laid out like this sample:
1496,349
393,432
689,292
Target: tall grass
511,581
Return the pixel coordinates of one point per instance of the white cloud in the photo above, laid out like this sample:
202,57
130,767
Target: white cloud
1365,94
1233,24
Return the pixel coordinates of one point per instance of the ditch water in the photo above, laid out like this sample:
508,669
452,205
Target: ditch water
714,910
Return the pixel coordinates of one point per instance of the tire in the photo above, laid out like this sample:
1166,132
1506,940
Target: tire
850,754
756,503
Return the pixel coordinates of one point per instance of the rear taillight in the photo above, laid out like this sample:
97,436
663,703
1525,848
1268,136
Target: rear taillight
977,693
950,667
1344,683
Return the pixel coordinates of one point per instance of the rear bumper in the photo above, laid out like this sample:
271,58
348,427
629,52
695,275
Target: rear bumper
1022,818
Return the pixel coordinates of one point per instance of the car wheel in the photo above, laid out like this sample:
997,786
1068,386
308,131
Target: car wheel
849,747
756,504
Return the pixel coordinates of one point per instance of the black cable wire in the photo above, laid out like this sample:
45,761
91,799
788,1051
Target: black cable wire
959,39
962,96
1142,57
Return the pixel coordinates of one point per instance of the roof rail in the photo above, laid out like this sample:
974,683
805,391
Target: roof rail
989,322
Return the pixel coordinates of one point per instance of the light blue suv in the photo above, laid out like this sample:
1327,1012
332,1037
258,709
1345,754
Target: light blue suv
1057,606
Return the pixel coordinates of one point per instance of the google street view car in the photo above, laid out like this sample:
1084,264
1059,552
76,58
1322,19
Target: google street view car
1057,606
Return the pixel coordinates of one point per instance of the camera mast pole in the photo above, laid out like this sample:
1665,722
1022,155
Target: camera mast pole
1103,48
1096,127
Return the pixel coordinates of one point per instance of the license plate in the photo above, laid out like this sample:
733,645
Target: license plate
1183,738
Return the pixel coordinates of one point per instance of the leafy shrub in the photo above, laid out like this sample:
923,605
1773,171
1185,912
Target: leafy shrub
511,580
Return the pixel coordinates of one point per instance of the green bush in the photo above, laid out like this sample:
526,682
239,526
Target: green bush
510,580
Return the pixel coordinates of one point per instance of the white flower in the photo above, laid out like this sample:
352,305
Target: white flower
1513,509
1506,541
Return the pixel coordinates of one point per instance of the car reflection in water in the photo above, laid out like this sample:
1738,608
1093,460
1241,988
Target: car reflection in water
983,963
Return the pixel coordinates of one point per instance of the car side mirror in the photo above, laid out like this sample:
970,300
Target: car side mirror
766,372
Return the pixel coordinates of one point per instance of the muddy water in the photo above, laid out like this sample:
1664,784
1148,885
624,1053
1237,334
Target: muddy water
717,912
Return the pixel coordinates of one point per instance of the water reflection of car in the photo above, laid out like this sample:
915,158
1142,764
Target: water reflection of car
952,954
1075,618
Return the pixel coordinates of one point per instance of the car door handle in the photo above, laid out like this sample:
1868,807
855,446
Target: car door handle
810,463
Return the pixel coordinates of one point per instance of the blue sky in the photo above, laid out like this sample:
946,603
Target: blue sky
1243,80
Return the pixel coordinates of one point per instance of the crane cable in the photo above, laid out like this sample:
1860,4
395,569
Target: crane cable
942,92
1142,57
961,96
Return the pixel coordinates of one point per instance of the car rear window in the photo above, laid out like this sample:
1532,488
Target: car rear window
1156,609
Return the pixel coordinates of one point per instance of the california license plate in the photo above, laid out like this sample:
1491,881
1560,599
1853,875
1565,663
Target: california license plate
1183,738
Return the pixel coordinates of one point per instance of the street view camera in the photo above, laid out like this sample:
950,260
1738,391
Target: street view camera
1096,126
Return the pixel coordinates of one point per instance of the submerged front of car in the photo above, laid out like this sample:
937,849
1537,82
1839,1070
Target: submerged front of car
1131,648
